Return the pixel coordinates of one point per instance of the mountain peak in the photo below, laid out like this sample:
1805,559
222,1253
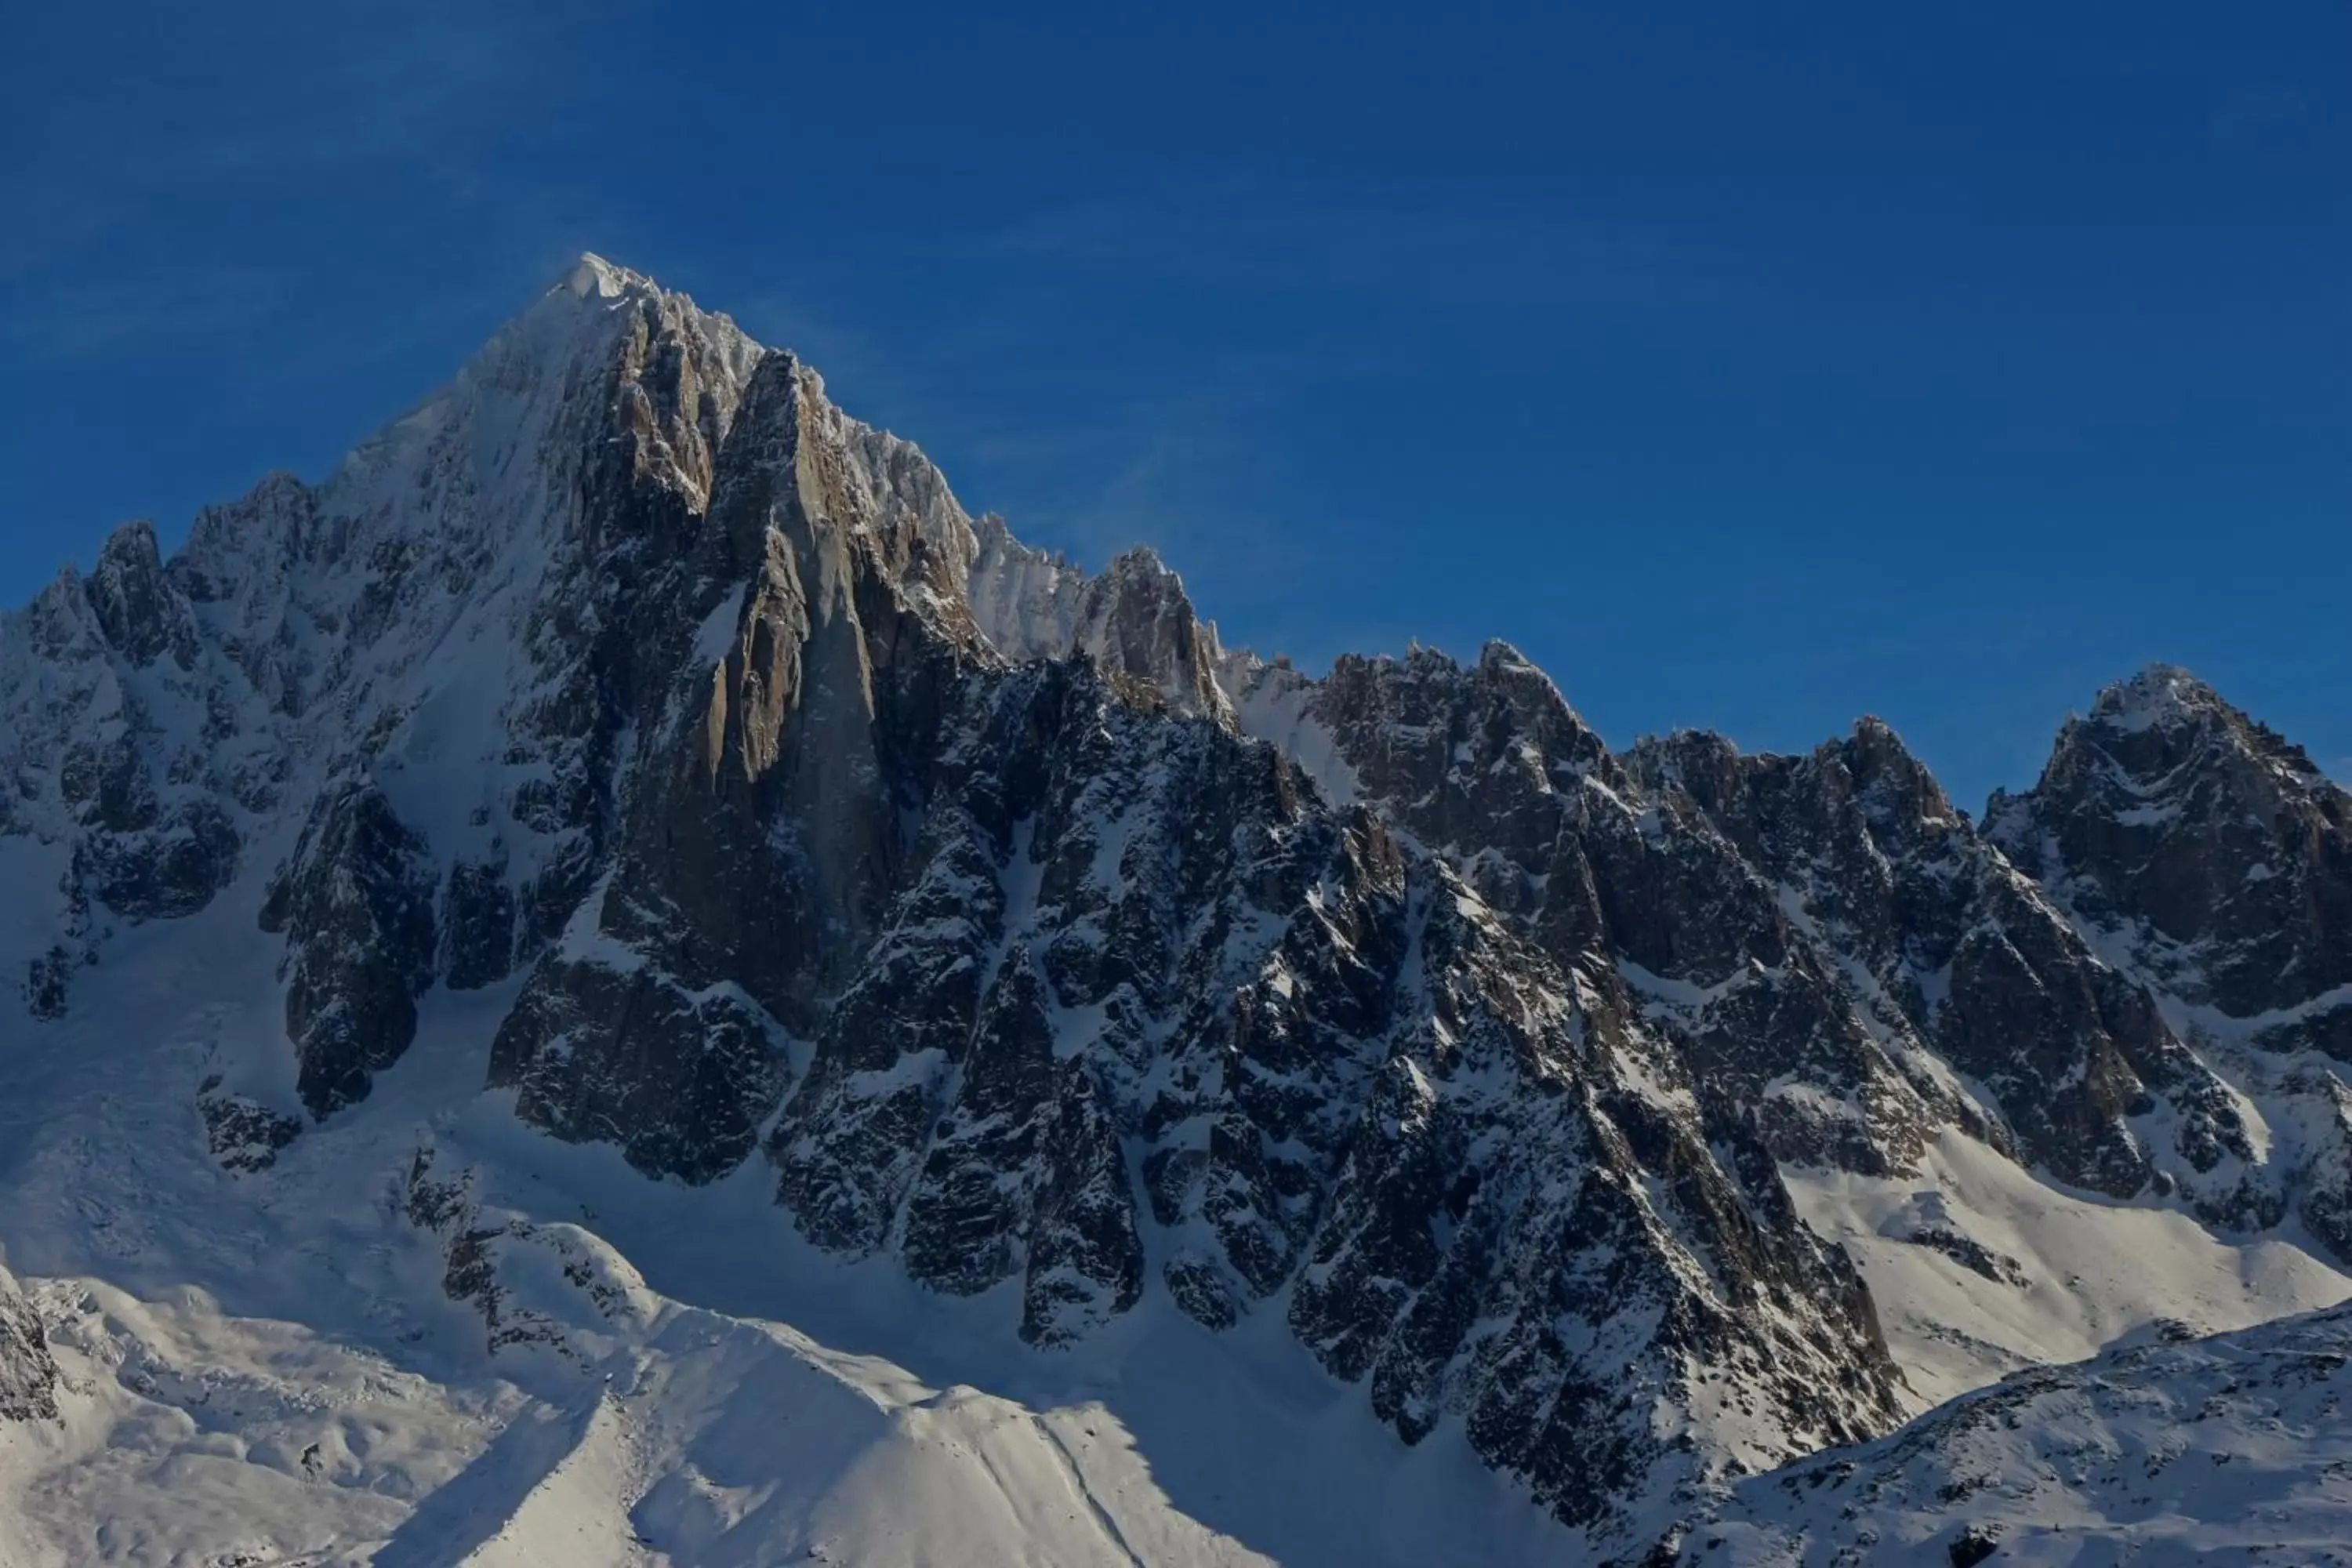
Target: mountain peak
2164,726
2206,837
2158,697
137,609
1141,562
592,276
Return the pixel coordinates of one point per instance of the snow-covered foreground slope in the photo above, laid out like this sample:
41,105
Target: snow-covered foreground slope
2232,1449
272,1368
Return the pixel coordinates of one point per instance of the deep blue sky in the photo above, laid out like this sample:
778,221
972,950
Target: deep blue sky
1748,367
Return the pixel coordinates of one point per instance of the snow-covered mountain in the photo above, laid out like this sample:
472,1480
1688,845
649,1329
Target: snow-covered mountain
626,863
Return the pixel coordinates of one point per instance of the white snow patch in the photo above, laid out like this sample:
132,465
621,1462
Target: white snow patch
2096,1270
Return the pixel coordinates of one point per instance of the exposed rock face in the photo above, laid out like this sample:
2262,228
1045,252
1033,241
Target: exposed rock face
1134,622
244,1134
1825,938
139,612
763,817
1339,1075
107,745
1069,1229
28,1375
45,980
2212,862
1974,963
2208,847
681,1081
1020,933
356,909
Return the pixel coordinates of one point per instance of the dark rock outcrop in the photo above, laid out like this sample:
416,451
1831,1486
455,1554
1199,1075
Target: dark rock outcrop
355,905
29,1373
243,1134
141,614
682,1081
170,870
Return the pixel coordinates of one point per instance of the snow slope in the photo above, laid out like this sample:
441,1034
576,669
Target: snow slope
268,1368
2059,1276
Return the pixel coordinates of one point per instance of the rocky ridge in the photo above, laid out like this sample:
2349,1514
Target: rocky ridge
1029,937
